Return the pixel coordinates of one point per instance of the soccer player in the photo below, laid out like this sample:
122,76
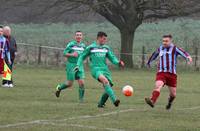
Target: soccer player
98,51
73,50
166,75
4,50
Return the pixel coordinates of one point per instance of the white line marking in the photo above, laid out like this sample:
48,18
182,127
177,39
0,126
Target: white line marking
189,108
70,118
84,117
82,126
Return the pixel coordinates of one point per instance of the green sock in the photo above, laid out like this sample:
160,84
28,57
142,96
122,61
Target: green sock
81,92
103,99
110,92
63,86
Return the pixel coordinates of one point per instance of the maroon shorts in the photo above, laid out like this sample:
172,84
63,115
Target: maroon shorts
169,79
1,66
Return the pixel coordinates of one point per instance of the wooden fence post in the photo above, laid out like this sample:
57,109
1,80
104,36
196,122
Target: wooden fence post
196,59
143,57
27,55
36,54
46,62
57,53
39,54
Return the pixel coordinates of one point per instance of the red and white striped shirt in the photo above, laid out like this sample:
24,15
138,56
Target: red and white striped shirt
167,58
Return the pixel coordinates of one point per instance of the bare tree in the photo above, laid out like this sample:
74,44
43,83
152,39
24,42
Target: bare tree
127,15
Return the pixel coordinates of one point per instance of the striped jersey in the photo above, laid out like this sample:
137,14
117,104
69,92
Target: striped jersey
98,54
4,47
167,58
72,47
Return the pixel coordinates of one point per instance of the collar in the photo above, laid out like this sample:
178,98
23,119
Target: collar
171,45
7,37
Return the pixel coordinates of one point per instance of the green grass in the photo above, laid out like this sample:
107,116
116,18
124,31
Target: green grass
33,99
185,31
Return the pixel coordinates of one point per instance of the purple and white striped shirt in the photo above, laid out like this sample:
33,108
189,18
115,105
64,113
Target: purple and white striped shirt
4,48
167,58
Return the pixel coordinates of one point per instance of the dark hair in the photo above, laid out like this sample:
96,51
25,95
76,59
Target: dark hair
78,31
167,36
101,34
1,26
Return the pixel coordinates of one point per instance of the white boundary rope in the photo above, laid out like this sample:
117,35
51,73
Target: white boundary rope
58,48
47,47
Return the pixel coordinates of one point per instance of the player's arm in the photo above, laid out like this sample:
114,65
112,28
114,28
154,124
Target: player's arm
81,58
67,51
153,56
184,54
7,52
112,57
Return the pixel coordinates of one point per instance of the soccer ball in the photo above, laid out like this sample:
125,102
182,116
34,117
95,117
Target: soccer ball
127,90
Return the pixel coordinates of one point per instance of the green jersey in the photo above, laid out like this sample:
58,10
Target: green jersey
98,55
72,47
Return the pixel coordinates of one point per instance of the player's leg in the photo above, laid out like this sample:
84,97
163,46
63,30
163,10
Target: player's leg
5,83
155,94
172,96
171,83
70,75
79,76
103,100
63,86
10,83
108,89
81,89
105,96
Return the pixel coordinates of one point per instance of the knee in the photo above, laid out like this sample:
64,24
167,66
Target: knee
173,94
159,85
172,91
81,84
105,81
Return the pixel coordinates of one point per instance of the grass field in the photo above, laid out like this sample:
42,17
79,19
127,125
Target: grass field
32,106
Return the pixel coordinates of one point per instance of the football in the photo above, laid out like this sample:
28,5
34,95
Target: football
127,90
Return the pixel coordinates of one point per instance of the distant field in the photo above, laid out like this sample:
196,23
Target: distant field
32,106
186,33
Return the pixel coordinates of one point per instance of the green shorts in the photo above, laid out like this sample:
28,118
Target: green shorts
71,75
97,72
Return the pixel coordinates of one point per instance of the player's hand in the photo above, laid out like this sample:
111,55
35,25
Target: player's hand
189,58
76,69
75,54
121,63
16,53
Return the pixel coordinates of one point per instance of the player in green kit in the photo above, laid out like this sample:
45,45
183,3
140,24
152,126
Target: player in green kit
73,50
98,52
